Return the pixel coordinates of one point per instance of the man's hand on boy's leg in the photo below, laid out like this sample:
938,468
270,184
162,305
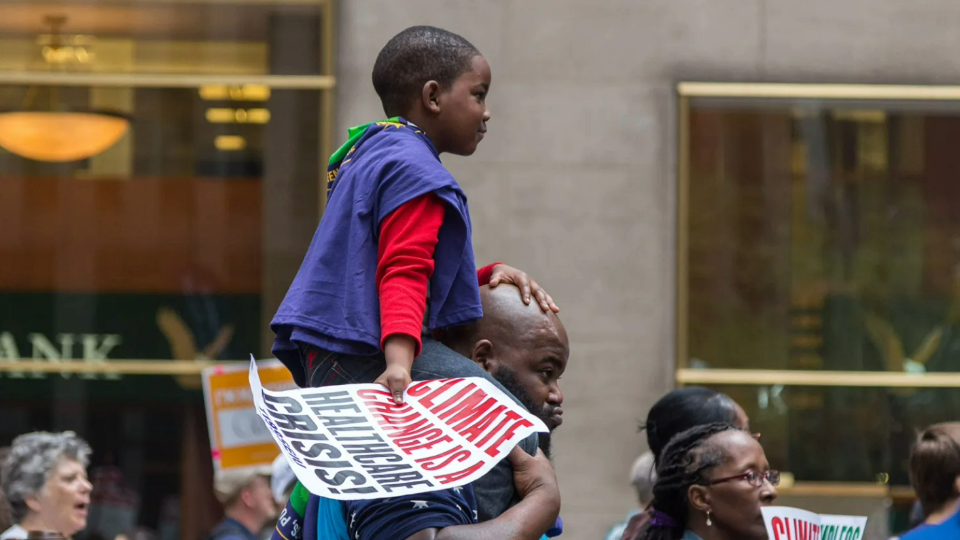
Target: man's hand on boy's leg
508,274
399,351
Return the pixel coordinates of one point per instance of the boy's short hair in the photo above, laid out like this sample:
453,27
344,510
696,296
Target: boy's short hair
935,465
415,56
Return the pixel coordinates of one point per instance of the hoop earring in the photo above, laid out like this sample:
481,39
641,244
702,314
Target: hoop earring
709,522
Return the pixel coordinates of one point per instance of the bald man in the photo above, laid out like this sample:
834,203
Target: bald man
526,351
523,348
507,325
523,351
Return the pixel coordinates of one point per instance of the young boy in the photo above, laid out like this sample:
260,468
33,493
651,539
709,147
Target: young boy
393,252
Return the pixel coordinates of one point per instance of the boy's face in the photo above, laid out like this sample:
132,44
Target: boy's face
463,111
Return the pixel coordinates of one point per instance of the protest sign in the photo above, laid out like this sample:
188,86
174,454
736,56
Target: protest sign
238,437
785,523
842,527
352,442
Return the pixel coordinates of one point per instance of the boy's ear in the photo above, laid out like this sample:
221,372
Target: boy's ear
430,97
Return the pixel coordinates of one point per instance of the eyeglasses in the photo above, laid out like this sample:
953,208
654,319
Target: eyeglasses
754,478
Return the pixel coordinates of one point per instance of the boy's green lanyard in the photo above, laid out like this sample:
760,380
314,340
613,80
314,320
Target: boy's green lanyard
299,498
354,134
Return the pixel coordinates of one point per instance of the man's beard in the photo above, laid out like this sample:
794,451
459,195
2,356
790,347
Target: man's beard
508,378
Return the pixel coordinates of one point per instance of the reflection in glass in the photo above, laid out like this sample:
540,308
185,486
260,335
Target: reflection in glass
171,244
205,37
842,434
823,236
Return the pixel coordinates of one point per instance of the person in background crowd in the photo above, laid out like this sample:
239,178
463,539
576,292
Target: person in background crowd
248,504
935,475
282,481
6,521
642,477
674,413
44,480
685,408
711,482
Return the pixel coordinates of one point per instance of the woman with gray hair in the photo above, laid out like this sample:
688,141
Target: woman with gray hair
44,479
643,476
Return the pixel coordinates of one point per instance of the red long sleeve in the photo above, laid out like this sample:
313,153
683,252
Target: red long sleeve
484,274
408,238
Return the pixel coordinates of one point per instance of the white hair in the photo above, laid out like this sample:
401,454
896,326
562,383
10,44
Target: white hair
643,476
32,458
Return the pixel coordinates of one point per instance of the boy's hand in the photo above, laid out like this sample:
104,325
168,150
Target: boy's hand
399,350
508,274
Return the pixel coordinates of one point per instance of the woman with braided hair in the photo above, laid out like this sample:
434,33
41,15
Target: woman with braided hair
674,413
711,482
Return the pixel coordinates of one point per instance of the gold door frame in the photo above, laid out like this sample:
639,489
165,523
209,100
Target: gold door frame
683,374
758,377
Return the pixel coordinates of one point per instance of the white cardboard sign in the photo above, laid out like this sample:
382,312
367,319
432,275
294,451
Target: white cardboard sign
352,442
784,523
238,437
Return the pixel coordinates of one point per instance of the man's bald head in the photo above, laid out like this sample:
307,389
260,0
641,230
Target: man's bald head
506,320
525,349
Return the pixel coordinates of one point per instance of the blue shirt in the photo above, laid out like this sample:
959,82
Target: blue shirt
394,518
948,530
379,519
318,519
231,529
401,517
333,302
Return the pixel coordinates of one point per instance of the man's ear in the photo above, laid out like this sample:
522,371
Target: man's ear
430,97
483,354
699,497
246,495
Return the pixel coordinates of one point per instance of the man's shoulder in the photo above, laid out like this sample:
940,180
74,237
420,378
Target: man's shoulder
230,529
947,529
404,516
461,498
